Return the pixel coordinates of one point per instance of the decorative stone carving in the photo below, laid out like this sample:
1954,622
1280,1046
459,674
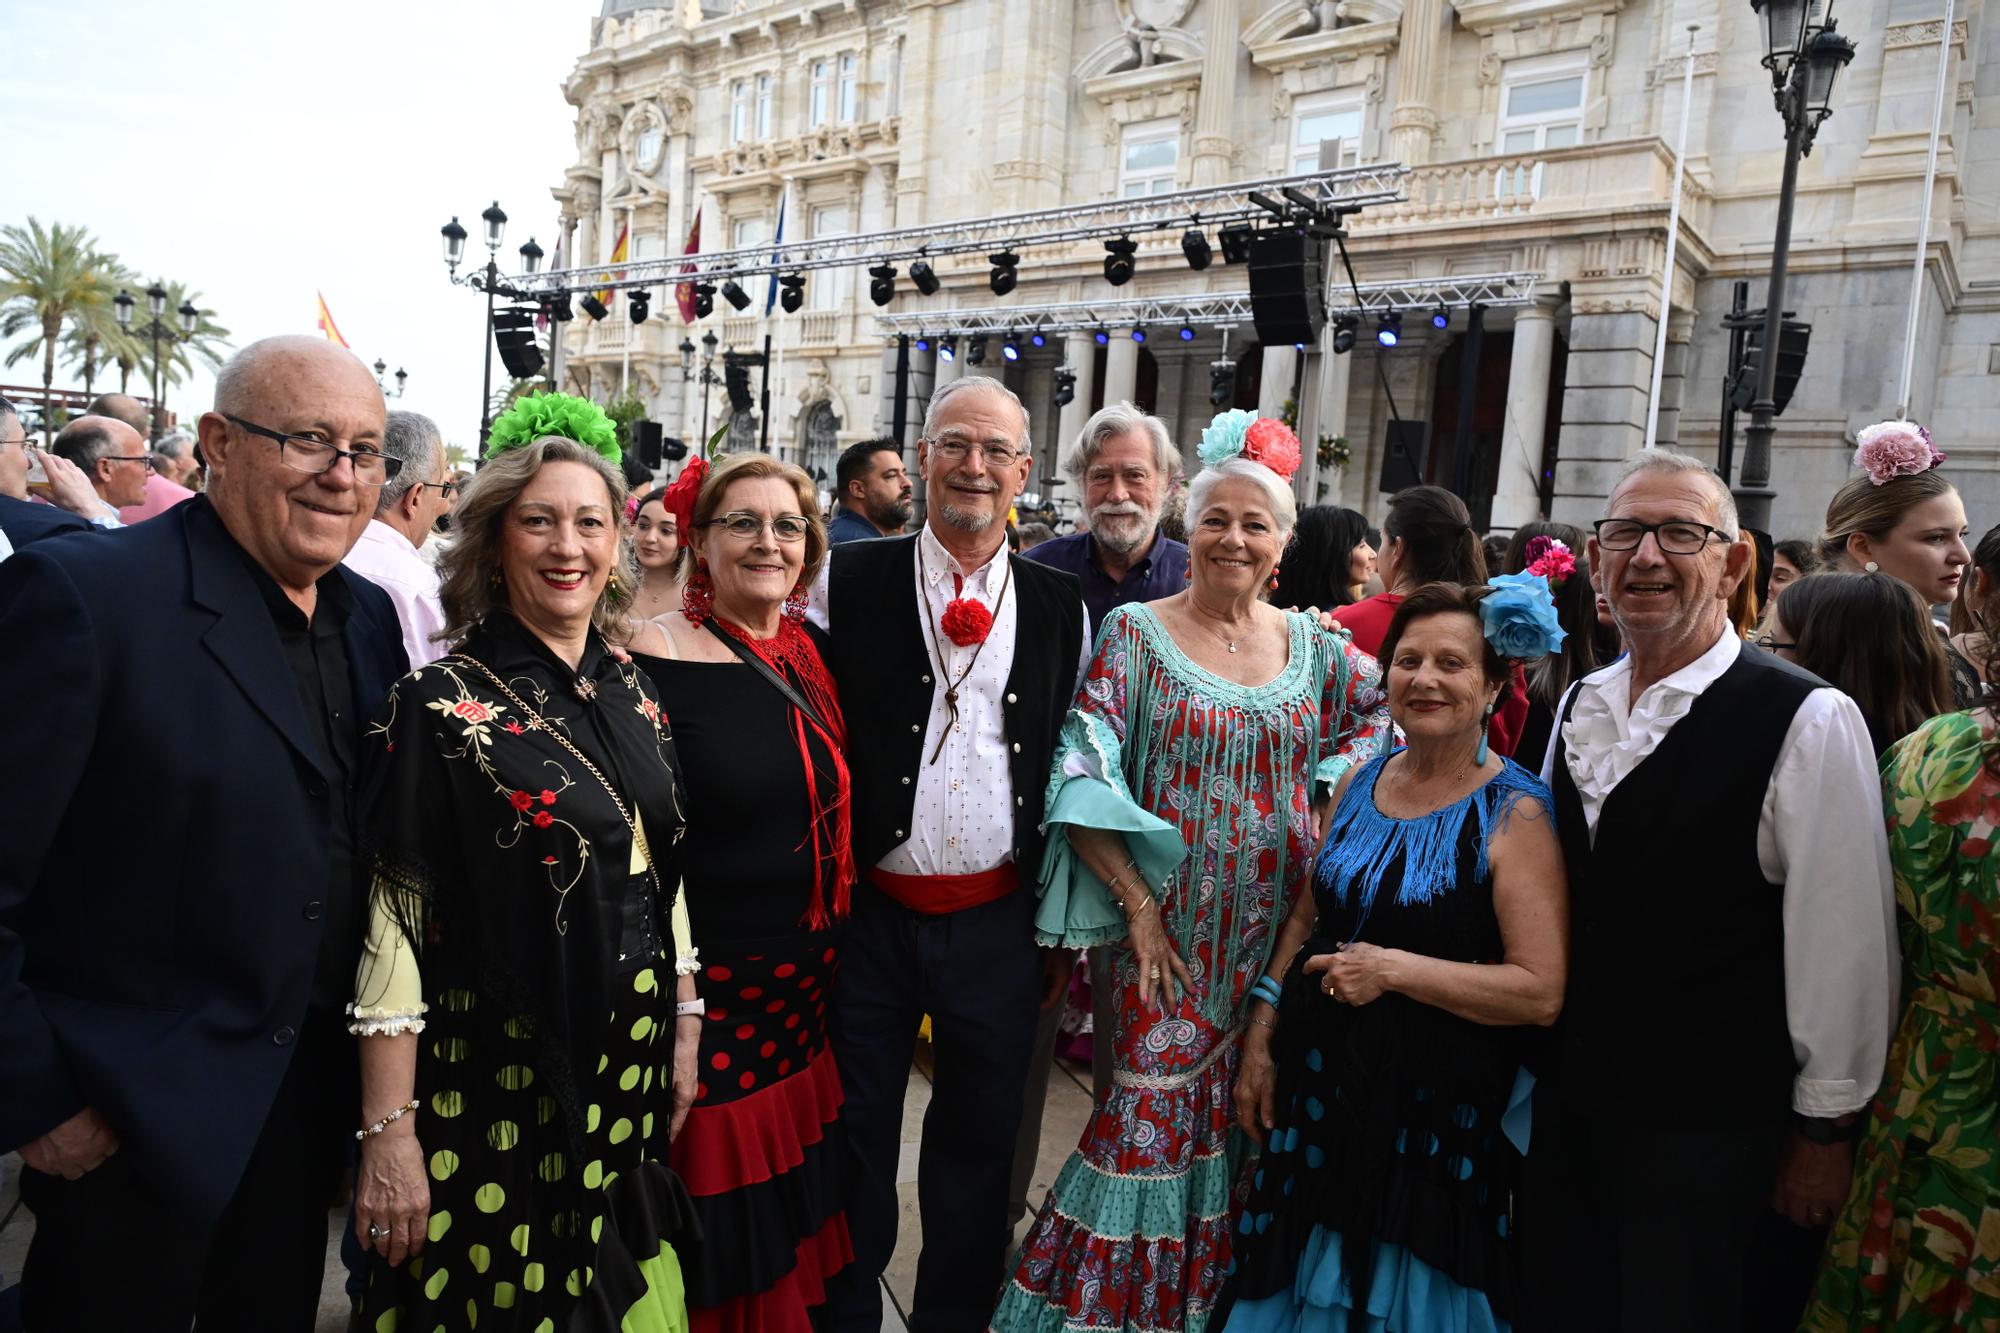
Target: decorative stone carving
1137,15
1122,53
1924,32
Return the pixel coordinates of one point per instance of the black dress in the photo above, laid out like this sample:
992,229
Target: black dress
763,1149
544,1074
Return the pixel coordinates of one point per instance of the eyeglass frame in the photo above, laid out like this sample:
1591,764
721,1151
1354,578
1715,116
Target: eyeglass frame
390,466
443,488
1709,533
957,451
723,521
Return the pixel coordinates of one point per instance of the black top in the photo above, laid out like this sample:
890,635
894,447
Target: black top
316,652
747,859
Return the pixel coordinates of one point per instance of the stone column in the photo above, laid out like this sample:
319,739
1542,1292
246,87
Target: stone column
1213,140
947,371
1080,355
1121,368
1414,121
1274,385
1609,375
1673,377
1517,494
1329,418
917,110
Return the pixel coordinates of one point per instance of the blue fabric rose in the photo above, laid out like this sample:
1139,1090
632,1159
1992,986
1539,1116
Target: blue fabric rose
1520,617
1223,439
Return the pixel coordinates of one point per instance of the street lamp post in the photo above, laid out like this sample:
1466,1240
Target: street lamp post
1804,59
709,379
156,331
487,279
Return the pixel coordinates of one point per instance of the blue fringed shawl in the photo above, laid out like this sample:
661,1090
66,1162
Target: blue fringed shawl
1365,842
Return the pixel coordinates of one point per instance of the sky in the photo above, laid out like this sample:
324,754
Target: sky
260,152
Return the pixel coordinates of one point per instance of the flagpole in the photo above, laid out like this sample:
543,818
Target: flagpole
631,329
784,207
1673,243
1924,225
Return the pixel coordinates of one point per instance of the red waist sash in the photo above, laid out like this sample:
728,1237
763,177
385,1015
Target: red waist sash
935,895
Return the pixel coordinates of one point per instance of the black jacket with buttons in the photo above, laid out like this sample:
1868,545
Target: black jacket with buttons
882,663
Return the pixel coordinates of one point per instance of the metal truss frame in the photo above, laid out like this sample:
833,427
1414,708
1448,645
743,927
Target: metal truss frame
1347,190
1209,309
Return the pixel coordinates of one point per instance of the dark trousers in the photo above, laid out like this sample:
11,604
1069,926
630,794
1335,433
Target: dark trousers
110,1253
977,973
1628,1229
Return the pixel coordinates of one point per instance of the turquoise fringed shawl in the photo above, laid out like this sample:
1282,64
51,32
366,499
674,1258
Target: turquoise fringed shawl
1365,842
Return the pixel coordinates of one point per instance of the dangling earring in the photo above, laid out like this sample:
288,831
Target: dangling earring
795,602
1485,726
495,581
698,598
611,587
1872,567
1274,577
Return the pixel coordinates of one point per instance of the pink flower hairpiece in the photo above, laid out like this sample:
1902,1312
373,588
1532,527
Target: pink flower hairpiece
1550,558
1891,449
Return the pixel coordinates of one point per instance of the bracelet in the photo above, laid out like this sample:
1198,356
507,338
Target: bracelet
1267,990
1145,900
694,1008
386,1121
1263,1023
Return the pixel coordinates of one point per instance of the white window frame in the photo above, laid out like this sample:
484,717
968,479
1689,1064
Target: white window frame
820,104
1526,72
1157,180
739,111
847,100
1339,99
748,232
766,91
828,288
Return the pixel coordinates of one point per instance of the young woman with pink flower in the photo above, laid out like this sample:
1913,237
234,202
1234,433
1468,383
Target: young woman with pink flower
1556,551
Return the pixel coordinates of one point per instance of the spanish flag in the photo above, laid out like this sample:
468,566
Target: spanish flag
326,324
617,256
684,293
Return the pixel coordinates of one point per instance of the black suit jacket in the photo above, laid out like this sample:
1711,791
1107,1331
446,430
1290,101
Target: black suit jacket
24,521
163,837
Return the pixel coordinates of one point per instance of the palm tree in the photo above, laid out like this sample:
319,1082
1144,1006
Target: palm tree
93,333
46,275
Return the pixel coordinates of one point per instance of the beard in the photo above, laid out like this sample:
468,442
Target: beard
966,520
894,514
1123,526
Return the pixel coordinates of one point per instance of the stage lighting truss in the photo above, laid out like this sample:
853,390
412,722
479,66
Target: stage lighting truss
1170,215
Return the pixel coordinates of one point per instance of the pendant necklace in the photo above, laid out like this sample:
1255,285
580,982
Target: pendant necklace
1210,628
937,646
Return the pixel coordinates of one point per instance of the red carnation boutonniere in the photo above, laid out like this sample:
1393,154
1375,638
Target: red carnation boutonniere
966,622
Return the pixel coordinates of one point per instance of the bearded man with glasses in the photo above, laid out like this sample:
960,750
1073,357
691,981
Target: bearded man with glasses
179,1079
1734,968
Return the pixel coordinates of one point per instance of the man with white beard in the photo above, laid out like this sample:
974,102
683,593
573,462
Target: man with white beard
1125,467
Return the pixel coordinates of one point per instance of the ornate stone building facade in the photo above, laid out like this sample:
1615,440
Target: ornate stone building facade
1539,135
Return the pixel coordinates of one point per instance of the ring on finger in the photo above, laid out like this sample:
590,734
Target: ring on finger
376,1231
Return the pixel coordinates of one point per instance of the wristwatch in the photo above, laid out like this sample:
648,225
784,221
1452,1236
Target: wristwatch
1823,1132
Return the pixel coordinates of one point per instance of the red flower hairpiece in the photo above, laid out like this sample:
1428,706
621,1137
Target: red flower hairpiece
679,495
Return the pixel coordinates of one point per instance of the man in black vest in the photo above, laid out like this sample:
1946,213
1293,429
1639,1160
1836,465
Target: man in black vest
1733,956
956,665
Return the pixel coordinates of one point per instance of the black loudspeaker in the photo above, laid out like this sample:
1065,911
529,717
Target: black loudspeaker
673,450
1287,286
646,439
736,379
514,335
1793,340
1404,455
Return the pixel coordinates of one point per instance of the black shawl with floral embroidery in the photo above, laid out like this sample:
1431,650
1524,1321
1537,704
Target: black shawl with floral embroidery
506,861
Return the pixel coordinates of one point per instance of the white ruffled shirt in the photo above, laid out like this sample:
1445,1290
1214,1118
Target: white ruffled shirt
1820,835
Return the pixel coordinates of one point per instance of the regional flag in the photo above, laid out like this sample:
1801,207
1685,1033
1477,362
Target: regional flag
771,296
617,255
684,293
326,324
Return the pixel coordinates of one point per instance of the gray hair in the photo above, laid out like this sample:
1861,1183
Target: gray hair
1111,421
1669,463
1284,506
413,438
964,384
83,441
174,444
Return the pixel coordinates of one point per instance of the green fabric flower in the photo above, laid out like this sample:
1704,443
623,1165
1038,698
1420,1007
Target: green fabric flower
542,414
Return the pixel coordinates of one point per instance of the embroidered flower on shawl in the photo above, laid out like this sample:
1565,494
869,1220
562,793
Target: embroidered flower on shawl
548,797
1891,449
650,710
966,621
1550,558
520,800
470,711
1520,617
543,819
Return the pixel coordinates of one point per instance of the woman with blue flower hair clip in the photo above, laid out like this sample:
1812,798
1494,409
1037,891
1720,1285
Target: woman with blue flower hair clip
1382,1073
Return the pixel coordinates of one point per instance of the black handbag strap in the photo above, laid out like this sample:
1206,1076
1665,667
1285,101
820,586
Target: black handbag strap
770,674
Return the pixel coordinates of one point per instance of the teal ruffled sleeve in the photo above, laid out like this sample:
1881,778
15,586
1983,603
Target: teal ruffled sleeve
1354,711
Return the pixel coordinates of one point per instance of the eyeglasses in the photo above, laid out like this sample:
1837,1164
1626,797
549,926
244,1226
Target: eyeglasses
998,453
744,526
126,458
443,488
1771,645
309,453
1675,537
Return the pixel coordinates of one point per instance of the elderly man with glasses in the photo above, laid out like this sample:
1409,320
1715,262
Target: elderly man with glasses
407,508
179,1078
114,458
72,504
1734,969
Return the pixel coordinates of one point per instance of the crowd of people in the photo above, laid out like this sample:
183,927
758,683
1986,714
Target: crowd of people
1575,929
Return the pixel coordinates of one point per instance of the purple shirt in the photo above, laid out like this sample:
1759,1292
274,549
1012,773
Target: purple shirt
1161,571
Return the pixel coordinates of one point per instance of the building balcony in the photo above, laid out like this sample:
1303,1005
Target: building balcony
1591,179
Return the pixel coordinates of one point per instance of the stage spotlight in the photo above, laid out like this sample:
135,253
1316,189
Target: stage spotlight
923,344
1195,246
1187,334
1065,382
947,349
1138,335
975,350
558,308
1236,242
927,281
1004,276
639,304
1103,338
1118,260
1038,338
882,284
1343,333
735,295
1441,318
1389,328
704,299
593,307
1011,349
792,292
1221,382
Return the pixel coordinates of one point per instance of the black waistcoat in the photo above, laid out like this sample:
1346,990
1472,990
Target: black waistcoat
882,663
1675,1010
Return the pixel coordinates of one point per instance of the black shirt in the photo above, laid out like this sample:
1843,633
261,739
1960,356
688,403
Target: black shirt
316,652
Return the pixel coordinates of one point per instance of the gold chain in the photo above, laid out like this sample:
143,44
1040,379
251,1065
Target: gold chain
536,722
